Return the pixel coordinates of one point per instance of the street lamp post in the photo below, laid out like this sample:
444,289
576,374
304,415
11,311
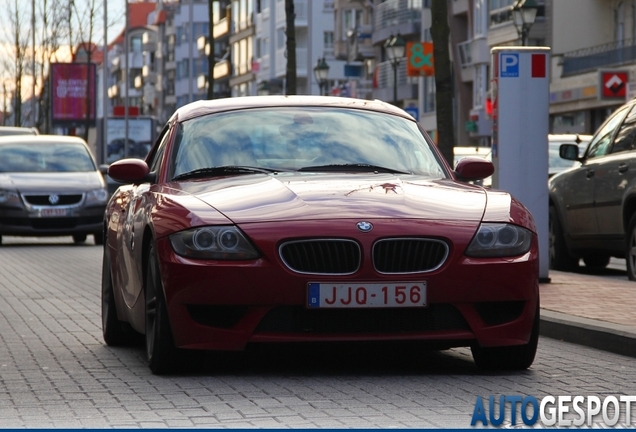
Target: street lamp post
321,72
263,88
395,47
524,13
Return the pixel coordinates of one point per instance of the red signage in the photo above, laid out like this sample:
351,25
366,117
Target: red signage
419,59
614,84
73,92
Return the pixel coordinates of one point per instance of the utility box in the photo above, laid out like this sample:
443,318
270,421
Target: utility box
520,88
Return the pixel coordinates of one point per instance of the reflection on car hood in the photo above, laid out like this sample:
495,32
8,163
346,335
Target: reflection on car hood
306,196
51,182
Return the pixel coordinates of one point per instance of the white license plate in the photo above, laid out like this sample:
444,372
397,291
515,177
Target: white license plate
369,295
53,212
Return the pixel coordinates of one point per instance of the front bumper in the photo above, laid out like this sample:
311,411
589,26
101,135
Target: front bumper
75,220
226,305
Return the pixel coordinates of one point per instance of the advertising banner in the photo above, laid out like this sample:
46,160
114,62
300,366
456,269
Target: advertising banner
140,138
72,93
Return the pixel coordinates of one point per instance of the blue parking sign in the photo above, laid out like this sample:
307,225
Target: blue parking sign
509,65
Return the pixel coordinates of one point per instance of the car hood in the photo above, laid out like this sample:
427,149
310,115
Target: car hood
51,182
311,196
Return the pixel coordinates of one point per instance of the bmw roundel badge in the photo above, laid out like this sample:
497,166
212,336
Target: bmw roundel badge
364,226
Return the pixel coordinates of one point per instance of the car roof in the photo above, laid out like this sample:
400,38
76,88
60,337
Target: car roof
16,130
203,107
33,139
569,138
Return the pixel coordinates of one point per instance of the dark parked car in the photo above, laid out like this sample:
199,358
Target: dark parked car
314,219
593,205
50,186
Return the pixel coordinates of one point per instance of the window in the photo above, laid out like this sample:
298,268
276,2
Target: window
328,39
351,20
135,44
626,136
600,144
280,38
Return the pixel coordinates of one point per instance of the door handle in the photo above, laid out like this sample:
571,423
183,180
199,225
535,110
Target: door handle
622,168
589,174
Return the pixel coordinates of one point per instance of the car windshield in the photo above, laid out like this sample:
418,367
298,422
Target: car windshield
45,157
307,139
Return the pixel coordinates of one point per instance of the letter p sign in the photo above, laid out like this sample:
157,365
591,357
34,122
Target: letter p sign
509,65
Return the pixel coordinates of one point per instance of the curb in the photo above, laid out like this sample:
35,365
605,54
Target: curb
615,338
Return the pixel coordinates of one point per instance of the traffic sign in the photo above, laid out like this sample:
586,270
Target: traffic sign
419,59
614,84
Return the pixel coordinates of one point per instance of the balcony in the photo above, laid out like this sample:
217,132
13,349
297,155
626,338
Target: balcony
149,41
404,16
617,53
300,9
406,86
149,75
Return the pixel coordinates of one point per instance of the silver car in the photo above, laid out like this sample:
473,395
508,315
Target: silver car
50,186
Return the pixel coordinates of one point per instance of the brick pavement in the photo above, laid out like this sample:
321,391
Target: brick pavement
56,372
606,299
592,310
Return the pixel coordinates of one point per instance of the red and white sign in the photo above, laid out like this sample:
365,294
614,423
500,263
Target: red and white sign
614,84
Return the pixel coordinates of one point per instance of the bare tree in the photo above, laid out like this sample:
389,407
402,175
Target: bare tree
52,14
440,33
16,44
86,25
290,33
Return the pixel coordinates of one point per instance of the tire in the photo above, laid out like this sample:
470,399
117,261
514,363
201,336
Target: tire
599,261
99,238
517,357
79,238
630,249
160,348
560,258
116,332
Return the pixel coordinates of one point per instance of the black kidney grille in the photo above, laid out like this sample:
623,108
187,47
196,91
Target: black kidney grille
43,200
409,255
328,256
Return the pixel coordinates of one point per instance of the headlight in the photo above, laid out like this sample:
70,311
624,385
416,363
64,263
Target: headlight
9,197
213,242
97,196
499,240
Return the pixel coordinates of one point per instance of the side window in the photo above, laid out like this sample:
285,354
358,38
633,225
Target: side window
626,136
601,142
155,158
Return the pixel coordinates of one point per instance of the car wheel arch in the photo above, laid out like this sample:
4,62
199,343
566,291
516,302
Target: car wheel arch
629,209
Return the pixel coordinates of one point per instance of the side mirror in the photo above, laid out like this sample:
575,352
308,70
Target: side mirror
129,170
474,168
569,152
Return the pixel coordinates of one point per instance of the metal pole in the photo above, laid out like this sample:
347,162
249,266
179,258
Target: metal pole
126,74
33,60
102,156
395,66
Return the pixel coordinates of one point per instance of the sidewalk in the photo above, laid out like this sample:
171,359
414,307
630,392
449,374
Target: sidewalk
595,311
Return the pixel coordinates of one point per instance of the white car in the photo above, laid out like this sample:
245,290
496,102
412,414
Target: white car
556,164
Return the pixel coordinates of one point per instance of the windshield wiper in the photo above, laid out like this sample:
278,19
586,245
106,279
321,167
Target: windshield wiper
355,167
226,169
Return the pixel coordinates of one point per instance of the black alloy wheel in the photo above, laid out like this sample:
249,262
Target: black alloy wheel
560,258
160,348
630,249
79,238
116,332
